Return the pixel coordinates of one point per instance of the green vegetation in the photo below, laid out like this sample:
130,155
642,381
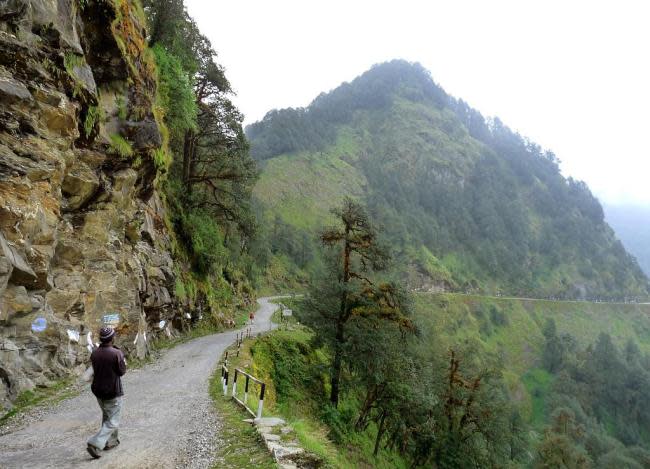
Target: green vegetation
595,403
545,334
535,428
298,371
129,17
537,382
162,159
363,370
93,116
460,317
208,170
378,378
176,93
240,444
484,381
349,288
72,62
122,111
260,357
296,374
120,146
466,203
205,242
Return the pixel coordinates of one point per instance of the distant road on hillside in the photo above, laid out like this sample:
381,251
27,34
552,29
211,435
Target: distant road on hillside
539,299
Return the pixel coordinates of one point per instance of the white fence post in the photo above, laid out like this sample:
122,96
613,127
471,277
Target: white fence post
234,384
261,403
247,388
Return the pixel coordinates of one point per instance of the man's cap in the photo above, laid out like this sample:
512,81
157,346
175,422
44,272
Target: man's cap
106,334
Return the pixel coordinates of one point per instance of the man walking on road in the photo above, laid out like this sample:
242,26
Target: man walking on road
108,365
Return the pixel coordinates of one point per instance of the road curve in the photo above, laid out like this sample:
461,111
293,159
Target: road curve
168,419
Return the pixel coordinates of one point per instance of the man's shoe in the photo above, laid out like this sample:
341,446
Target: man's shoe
93,451
111,446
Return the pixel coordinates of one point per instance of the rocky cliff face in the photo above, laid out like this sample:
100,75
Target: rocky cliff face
82,238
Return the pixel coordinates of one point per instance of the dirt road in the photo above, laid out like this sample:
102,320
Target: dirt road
168,419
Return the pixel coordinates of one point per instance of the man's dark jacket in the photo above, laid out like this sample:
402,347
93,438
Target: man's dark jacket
108,366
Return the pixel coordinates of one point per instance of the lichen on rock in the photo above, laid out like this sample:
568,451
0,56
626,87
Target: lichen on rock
81,231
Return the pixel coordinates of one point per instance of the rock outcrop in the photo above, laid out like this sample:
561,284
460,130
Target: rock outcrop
82,235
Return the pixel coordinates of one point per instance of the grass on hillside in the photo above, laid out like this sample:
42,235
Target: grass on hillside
512,330
303,188
538,382
282,275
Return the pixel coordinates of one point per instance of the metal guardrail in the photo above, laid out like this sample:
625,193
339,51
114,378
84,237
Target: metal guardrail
225,380
244,401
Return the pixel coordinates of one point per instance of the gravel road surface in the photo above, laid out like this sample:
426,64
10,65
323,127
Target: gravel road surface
168,419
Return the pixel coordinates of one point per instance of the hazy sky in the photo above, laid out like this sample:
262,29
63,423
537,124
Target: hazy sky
574,76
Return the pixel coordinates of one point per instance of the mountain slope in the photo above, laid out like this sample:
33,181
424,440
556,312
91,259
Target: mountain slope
466,203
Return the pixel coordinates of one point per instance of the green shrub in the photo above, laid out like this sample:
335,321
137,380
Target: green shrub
93,115
205,242
120,146
72,61
498,317
175,93
161,159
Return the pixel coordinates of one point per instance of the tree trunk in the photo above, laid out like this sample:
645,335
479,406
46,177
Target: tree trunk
364,413
340,323
336,365
380,433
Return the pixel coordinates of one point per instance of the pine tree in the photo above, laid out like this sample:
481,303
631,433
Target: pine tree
348,289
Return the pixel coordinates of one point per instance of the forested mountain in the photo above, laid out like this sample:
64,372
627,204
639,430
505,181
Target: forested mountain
466,203
632,226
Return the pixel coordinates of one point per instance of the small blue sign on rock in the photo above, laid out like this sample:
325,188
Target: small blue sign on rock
39,325
111,319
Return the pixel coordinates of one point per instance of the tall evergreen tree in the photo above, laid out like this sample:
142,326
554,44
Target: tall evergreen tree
212,167
553,348
348,288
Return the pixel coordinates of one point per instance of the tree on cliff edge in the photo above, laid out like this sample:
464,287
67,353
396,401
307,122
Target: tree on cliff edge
212,166
348,288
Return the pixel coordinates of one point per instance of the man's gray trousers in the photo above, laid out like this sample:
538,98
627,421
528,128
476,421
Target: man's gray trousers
107,435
